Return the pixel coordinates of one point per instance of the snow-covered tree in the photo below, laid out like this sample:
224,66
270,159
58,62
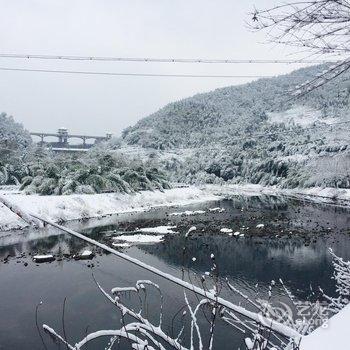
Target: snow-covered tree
15,143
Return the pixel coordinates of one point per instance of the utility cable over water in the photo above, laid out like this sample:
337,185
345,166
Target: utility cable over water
163,60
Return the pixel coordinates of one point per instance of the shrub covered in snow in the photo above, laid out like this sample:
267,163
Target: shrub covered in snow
15,142
8,175
99,171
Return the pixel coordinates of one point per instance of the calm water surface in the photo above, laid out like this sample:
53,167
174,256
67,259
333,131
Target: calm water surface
292,245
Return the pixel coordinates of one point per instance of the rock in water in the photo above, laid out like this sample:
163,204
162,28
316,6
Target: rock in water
43,258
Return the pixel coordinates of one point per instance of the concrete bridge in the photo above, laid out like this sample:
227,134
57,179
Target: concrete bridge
63,137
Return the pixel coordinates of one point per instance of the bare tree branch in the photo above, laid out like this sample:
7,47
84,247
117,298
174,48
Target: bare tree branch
321,27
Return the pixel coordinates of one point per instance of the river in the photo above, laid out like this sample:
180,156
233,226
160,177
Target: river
292,245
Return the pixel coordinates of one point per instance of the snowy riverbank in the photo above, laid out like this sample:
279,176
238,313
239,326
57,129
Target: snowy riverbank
339,196
72,207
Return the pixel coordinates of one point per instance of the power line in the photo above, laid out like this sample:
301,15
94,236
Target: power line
163,60
130,74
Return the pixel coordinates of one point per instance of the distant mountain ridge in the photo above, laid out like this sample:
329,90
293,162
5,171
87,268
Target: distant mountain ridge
256,133
210,117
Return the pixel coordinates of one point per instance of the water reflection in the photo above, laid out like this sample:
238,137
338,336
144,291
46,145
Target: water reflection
292,246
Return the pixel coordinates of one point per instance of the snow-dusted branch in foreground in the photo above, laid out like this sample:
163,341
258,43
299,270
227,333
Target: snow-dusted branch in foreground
262,336
141,333
342,278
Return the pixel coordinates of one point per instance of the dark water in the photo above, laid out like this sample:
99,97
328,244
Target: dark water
293,246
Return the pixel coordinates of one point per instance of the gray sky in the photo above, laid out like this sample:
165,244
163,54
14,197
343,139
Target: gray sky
130,28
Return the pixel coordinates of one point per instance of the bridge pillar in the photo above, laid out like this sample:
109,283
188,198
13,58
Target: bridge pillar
63,136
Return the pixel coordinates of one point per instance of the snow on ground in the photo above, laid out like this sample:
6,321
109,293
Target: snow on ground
86,254
162,155
332,337
158,229
191,229
298,158
315,194
299,115
77,206
240,190
226,230
217,209
320,194
9,220
187,213
9,189
139,239
121,245
149,235
61,149
43,258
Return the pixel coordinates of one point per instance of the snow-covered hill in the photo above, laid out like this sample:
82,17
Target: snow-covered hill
254,133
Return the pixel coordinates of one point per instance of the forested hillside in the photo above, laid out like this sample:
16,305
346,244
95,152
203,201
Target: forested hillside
15,142
256,133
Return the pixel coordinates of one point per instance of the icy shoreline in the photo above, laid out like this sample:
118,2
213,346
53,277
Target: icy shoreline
74,207
338,196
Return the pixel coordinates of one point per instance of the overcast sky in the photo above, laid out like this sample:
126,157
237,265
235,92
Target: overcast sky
130,28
